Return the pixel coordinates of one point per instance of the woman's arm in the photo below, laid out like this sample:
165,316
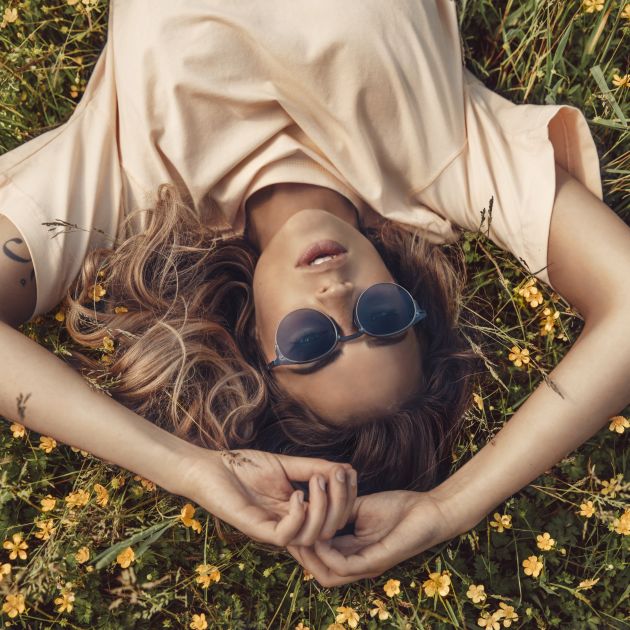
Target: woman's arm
589,265
59,403
38,390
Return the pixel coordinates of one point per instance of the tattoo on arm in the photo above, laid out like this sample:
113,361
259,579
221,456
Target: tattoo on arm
21,405
237,459
6,250
23,280
13,255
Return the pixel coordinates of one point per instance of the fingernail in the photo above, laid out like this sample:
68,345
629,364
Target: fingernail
301,497
353,481
341,476
322,483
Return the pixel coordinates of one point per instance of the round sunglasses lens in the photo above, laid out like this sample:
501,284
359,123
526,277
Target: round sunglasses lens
305,334
385,309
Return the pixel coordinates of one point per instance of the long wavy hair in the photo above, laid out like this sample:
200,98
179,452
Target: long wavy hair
172,310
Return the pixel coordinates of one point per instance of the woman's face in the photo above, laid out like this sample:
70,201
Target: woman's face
368,375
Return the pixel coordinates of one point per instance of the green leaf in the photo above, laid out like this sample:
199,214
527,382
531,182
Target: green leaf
105,557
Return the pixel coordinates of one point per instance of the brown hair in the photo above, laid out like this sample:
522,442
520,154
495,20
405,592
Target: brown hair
185,355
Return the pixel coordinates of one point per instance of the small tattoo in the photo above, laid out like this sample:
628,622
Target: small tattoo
13,255
237,459
21,400
23,280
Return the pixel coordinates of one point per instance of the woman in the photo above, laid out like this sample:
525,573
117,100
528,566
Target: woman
300,128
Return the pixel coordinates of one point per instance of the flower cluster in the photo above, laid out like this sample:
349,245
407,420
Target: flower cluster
531,293
492,621
208,573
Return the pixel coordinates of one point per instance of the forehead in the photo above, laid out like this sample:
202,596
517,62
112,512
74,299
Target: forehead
362,379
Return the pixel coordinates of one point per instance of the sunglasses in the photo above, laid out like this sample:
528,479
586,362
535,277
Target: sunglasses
382,310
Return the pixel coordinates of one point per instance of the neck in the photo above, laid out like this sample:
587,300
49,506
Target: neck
270,207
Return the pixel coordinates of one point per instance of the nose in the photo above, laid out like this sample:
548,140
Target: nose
337,298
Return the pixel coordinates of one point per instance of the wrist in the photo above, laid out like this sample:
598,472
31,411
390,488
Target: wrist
202,477
460,515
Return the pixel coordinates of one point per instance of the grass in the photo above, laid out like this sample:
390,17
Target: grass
528,51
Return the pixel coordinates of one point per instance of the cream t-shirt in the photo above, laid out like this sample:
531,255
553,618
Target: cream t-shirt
367,97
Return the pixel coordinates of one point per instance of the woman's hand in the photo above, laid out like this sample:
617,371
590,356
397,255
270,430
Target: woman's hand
389,527
251,490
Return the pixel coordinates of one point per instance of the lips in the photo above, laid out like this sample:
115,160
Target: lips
319,249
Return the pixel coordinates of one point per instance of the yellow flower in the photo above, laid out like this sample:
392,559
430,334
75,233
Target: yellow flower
72,2
531,293
379,610
437,582
106,359
586,584
145,483
477,593
626,12
478,401
17,547
619,423
96,292
46,528
622,524
519,356
612,486
489,621
532,566
548,322
199,622
10,15
64,601
102,493
48,503
126,557
82,555
621,81
121,309
301,626
60,316
108,344
78,498
14,605
307,576
346,613
186,516
19,430
545,542
392,587
587,509
336,626
208,573
501,522
593,5
507,613
5,569
76,450
47,443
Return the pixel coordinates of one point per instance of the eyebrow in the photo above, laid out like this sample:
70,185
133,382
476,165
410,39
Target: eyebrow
371,342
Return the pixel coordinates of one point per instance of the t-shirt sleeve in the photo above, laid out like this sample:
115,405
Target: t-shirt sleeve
510,155
69,175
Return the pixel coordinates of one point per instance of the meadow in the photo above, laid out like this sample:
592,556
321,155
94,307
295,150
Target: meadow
89,544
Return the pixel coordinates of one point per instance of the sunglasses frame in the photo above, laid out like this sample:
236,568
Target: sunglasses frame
419,314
